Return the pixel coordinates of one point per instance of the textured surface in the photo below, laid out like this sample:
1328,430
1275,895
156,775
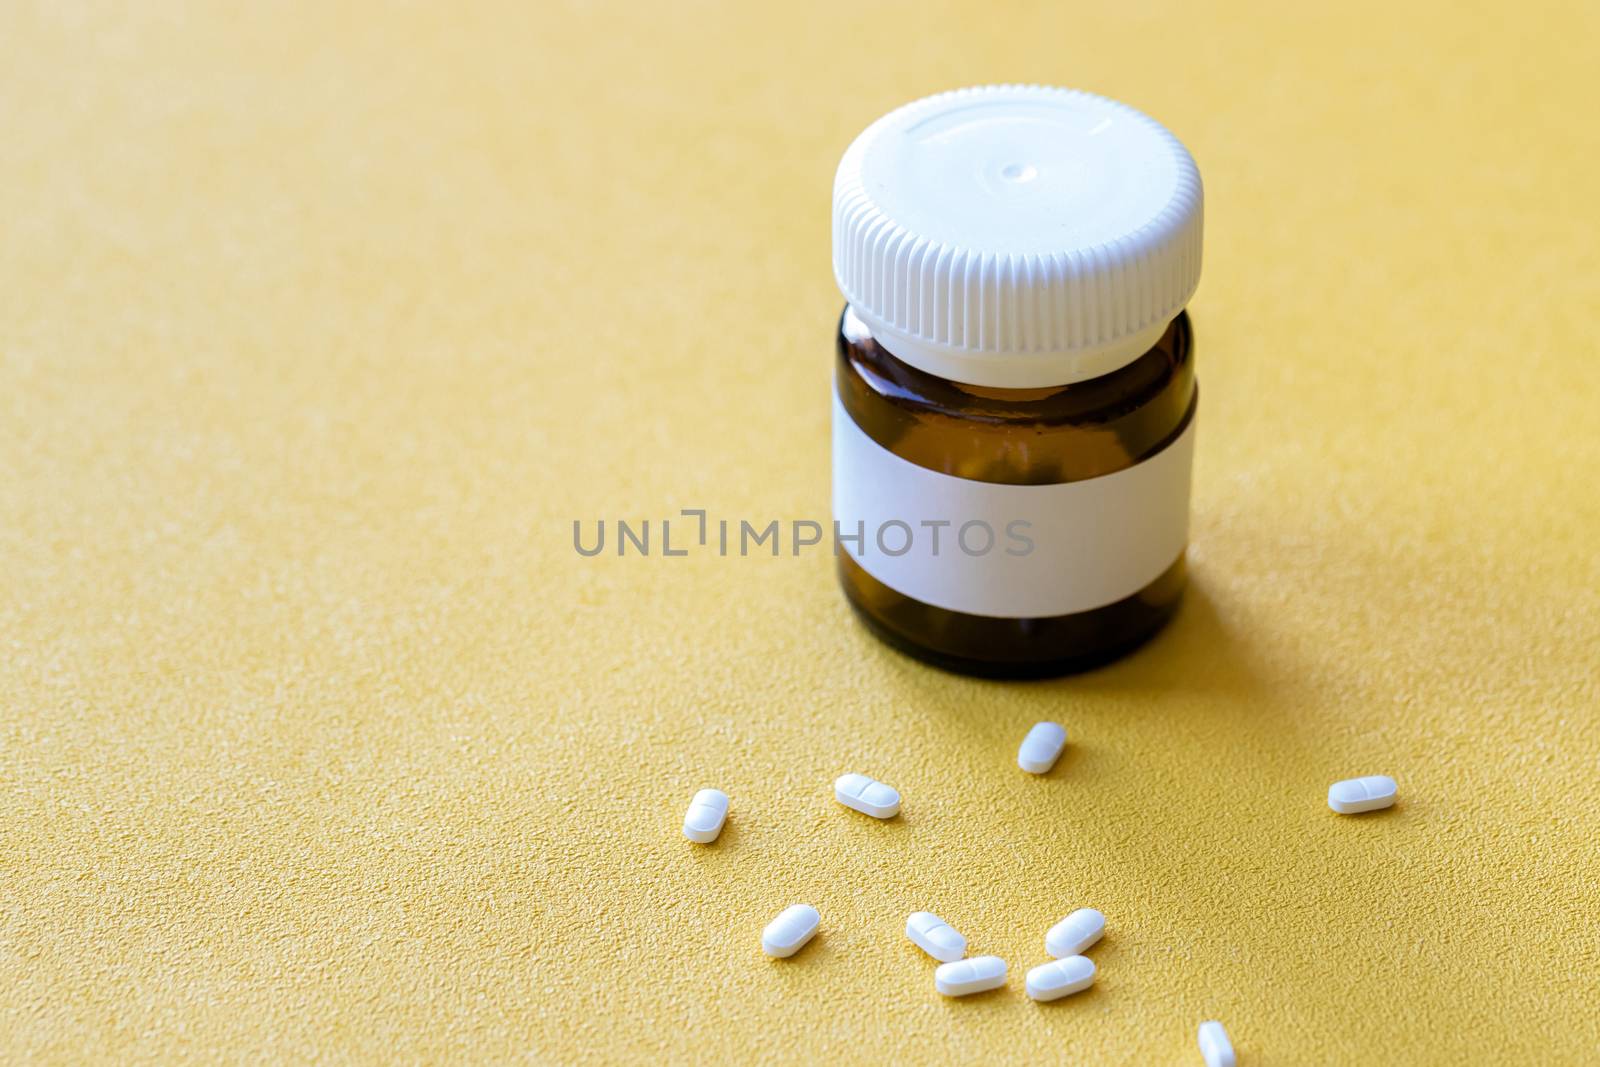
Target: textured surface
317,739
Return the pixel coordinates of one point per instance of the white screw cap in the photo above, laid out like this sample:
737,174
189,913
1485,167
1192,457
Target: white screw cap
1017,236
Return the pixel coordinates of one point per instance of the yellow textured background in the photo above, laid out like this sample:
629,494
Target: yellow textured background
320,323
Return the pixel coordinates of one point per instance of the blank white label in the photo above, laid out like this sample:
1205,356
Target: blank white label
962,545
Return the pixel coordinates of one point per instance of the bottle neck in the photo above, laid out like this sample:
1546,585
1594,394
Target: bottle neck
1004,370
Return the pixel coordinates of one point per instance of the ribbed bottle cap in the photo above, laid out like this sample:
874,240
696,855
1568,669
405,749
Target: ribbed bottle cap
1017,236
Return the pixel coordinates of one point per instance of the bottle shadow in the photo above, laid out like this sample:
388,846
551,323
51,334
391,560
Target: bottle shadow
1203,651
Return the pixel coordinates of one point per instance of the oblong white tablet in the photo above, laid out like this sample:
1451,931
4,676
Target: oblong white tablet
970,976
707,811
867,795
1215,1046
935,936
1076,932
1042,747
788,933
1059,978
1354,795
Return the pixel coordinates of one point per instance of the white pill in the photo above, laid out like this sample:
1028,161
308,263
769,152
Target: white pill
970,976
788,933
1361,794
1058,978
935,936
1042,747
866,795
1215,1046
1076,932
707,812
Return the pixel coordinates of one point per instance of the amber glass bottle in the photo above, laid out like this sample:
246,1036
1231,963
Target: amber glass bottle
1015,392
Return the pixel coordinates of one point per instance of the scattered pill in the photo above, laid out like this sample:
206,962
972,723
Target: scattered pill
707,812
935,936
866,795
1042,747
788,933
1058,978
1215,1046
1361,794
1076,932
970,976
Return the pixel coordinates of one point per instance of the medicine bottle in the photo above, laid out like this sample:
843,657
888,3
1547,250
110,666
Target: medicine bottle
1013,418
